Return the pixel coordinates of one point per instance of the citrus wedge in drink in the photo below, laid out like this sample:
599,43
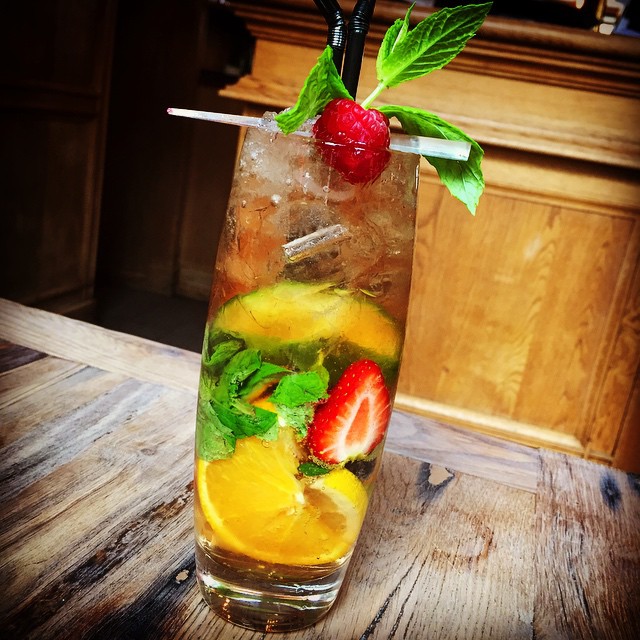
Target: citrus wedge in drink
257,506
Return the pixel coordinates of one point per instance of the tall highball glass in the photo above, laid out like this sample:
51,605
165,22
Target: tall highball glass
300,365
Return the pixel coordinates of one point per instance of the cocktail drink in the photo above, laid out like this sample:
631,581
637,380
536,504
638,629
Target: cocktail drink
300,365
305,329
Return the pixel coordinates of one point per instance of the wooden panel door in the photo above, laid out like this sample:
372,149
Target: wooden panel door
516,314
54,82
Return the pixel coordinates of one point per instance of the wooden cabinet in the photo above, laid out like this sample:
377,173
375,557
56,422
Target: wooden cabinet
54,88
525,320
97,182
167,179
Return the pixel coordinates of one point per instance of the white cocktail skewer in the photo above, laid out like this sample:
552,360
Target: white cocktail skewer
433,147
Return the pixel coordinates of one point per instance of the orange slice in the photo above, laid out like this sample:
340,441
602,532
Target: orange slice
256,505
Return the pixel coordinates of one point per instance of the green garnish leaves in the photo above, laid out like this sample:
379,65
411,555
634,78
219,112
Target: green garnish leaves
221,353
322,85
244,421
223,414
240,367
214,441
464,180
296,395
266,375
408,54
312,469
394,35
300,388
232,378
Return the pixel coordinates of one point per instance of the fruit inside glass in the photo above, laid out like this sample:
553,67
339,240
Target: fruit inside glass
299,370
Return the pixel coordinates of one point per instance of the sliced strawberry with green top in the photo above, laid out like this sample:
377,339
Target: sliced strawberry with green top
353,421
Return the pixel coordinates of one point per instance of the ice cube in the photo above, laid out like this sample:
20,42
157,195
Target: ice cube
313,243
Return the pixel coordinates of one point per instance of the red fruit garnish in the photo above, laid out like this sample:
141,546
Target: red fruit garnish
363,136
353,421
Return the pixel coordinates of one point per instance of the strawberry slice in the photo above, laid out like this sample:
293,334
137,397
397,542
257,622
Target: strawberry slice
353,421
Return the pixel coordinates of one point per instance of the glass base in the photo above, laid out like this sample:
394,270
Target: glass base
266,600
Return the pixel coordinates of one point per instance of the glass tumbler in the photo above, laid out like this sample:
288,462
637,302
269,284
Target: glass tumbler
300,363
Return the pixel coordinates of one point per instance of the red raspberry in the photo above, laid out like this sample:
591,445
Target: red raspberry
363,136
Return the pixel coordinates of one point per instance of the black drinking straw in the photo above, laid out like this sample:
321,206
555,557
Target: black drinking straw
357,33
337,35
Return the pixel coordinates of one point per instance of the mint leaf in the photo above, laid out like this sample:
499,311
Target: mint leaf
395,33
222,352
266,375
214,441
431,45
271,434
296,395
464,180
237,370
244,423
322,85
298,418
262,424
300,388
312,469
223,416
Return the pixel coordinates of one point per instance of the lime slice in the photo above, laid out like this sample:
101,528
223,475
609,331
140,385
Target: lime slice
290,313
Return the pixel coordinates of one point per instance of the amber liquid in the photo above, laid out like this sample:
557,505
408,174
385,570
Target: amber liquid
330,255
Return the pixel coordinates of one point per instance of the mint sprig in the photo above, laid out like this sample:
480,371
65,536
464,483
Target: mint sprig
322,85
232,375
464,180
406,54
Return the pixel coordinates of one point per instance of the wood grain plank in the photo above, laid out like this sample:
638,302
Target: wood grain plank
627,456
523,301
621,370
75,572
38,374
89,344
472,453
40,451
13,356
588,551
451,557
71,392
89,512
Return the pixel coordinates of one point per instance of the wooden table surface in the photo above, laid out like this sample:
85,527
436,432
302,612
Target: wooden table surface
466,536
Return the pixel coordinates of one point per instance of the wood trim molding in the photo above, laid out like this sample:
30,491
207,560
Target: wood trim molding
503,47
512,430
